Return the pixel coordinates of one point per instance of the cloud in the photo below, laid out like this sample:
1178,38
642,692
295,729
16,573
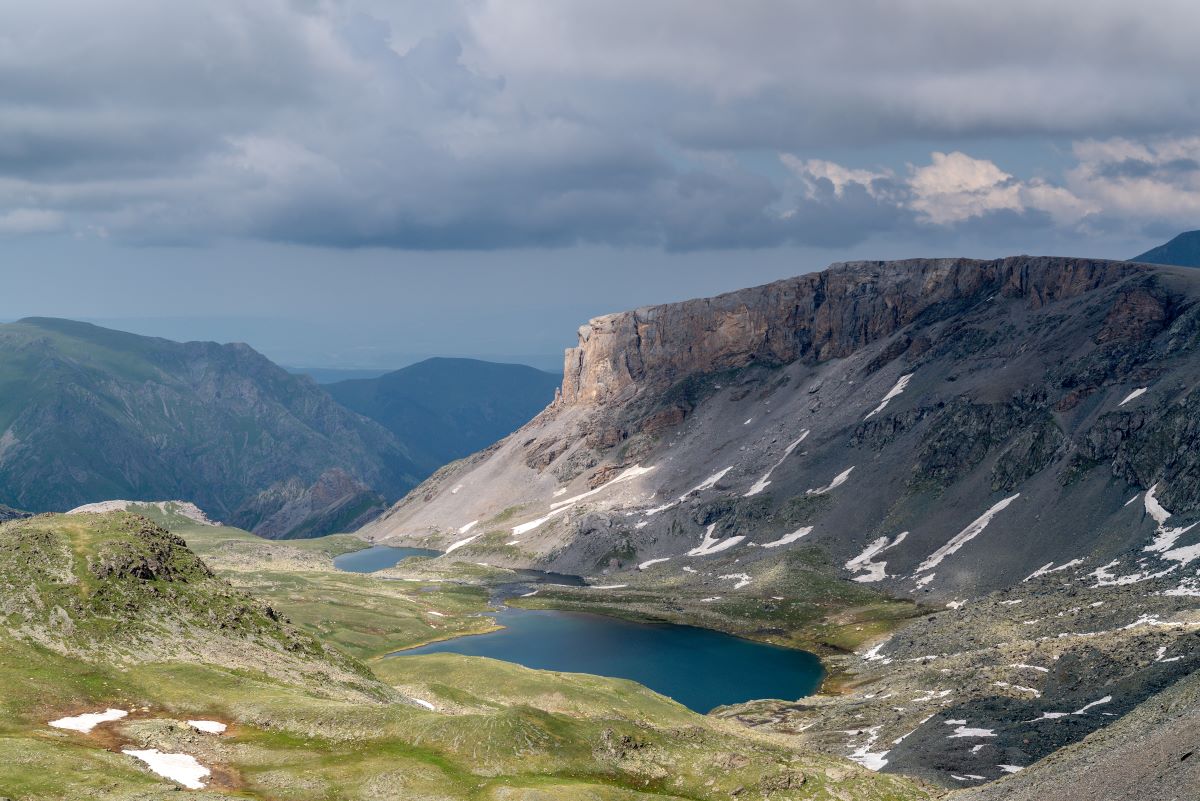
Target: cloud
30,221
479,124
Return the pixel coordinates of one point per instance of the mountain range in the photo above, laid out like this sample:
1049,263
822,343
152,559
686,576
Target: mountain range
91,414
445,409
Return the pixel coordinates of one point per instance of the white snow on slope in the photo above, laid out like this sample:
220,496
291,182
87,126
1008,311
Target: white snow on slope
423,702
626,475
466,541
182,508
874,571
966,535
964,731
207,726
1137,393
710,545
1050,568
1011,768
86,722
607,586
464,529
838,481
762,483
650,562
525,528
743,579
788,538
706,484
863,755
1081,711
892,393
181,768
1154,508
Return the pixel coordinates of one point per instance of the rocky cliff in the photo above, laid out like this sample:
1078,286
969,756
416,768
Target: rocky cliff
814,317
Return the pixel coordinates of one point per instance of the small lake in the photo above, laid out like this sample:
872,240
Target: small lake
378,557
699,668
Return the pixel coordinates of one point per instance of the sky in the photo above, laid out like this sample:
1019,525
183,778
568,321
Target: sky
361,183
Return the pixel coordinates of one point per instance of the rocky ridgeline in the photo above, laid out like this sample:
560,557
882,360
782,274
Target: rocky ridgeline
816,317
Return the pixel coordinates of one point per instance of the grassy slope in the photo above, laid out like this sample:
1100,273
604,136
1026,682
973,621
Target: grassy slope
500,732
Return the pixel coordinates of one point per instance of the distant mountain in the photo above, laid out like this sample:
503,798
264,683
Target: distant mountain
330,375
1182,251
445,409
89,414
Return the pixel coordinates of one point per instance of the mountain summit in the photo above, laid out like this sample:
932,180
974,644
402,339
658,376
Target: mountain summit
1182,251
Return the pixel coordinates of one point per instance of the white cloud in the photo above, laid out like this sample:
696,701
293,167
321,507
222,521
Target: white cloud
955,187
30,221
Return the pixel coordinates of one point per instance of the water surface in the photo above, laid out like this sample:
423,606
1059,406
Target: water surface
378,557
700,669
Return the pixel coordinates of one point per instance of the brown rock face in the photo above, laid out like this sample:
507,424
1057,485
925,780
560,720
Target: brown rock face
818,316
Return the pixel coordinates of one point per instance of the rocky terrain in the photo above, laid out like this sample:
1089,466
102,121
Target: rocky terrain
88,414
1009,446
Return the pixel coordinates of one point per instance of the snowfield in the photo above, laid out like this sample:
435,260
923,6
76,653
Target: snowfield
180,768
88,721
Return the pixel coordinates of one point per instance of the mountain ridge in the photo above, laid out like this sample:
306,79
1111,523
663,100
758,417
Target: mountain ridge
1182,251
145,418
446,408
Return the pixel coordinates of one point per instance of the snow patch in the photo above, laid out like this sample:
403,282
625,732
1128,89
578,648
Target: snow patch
965,731
762,483
86,722
892,393
467,527
966,535
838,481
423,703
467,541
1050,568
1011,768
863,755
1137,393
208,726
743,579
788,538
181,768
874,571
710,545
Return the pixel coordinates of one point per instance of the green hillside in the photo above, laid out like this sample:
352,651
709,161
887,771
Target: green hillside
90,414
307,722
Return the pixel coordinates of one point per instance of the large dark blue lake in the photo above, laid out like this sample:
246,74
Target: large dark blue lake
379,557
700,669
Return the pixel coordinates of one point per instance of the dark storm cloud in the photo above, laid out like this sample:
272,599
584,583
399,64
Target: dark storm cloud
489,124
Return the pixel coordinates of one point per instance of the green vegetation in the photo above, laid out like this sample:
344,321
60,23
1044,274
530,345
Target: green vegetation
309,722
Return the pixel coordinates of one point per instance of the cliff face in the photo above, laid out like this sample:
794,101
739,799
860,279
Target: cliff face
813,317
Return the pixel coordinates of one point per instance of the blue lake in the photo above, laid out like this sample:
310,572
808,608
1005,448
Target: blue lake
379,557
700,669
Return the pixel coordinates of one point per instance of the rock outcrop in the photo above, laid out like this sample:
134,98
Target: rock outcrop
814,317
